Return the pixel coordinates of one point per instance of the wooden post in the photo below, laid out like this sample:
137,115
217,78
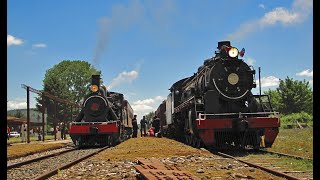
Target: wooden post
28,114
43,113
64,122
54,120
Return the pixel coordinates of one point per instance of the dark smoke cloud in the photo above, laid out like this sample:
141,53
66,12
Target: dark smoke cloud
122,17
104,28
126,16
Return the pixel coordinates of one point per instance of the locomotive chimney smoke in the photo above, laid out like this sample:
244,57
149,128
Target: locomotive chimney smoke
104,28
122,17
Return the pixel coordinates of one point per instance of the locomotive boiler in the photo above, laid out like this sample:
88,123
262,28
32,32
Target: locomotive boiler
105,118
216,108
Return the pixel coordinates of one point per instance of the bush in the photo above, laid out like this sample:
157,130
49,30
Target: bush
302,117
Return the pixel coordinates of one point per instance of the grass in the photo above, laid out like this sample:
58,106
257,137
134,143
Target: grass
149,147
289,163
32,138
18,150
23,149
297,142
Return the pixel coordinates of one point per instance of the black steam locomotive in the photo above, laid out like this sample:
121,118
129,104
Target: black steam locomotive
215,107
105,118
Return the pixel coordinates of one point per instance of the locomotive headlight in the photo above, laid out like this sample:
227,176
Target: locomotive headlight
233,52
94,88
233,78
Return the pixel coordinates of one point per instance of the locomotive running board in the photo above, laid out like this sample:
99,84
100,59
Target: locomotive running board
152,169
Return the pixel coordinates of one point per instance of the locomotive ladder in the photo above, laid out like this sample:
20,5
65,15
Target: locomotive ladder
264,101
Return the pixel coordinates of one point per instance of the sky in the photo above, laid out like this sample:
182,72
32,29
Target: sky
142,47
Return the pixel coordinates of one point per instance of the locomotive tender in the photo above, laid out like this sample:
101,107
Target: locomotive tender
216,108
105,118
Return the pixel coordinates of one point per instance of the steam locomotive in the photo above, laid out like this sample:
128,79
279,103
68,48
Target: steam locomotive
105,118
216,108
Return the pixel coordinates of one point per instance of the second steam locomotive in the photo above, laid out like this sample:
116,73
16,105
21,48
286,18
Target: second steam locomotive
216,108
105,118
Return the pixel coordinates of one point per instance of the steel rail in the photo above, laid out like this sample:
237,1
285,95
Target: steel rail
260,167
67,165
287,155
38,159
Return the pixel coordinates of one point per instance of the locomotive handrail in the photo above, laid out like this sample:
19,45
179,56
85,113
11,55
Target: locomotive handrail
203,116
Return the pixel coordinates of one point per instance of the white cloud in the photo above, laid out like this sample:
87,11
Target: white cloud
21,103
311,82
143,107
11,40
40,45
250,61
306,73
262,6
150,100
281,15
268,81
123,77
18,103
299,11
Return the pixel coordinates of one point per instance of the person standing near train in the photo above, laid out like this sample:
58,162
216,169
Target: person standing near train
134,126
8,132
24,132
143,125
156,124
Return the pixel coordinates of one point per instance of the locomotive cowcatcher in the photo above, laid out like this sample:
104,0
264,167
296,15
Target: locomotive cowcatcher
105,118
216,108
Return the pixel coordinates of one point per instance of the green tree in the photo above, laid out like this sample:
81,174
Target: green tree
296,96
19,114
69,80
275,99
149,117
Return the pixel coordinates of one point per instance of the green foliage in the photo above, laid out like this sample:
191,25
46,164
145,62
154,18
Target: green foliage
302,117
275,99
292,96
19,114
296,96
149,117
69,80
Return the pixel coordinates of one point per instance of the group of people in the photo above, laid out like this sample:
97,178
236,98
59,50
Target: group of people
143,127
60,131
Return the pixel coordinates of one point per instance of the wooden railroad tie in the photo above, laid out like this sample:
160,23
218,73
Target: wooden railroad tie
153,169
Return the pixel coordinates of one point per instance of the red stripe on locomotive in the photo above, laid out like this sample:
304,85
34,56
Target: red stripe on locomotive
207,127
258,122
102,128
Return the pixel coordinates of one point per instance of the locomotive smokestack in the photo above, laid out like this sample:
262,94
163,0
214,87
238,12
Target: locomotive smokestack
221,43
96,80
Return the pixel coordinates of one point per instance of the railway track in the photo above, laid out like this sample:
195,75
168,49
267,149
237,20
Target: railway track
11,165
274,164
286,155
17,158
44,167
